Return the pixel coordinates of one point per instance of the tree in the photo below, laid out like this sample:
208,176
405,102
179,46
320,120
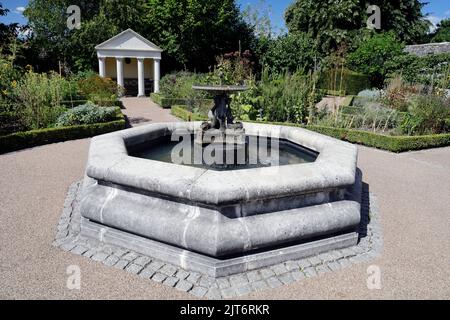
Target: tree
442,32
194,32
3,11
290,52
258,18
404,18
332,22
371,57
75,48
328,22
7,31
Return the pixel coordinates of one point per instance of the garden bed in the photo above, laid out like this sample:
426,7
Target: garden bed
21,140
370,139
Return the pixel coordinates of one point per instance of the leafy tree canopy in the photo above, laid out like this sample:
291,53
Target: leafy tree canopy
3,11
100,20
442,33
332,22
194,32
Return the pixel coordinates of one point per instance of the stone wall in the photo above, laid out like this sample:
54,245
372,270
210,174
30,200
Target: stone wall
428,48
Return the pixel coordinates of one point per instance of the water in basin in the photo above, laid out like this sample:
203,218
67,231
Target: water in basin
257,155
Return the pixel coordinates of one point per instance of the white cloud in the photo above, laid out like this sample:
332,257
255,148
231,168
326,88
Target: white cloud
19,10
434,21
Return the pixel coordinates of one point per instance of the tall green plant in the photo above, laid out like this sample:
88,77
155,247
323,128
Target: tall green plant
38,99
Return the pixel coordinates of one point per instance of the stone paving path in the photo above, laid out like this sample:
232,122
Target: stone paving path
141,111
199,285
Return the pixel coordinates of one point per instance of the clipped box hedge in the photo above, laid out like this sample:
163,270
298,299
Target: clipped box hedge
379,141
370,139
352,82
33,138
167,103
181,112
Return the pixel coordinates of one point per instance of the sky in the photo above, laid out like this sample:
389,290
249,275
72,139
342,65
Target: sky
436,10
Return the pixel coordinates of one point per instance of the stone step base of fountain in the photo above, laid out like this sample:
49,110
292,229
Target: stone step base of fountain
213,267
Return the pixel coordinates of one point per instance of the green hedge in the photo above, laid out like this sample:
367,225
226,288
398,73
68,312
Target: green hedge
9,123
376,140
370,139
167,103
33,138
353,82
181,112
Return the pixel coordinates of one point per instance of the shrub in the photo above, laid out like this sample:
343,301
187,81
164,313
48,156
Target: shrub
246,105
8,78
179,85
38,99
278,97
398,94
371,56
370,94
363,118
233,68
290,53
287,97
86,114
98,89
427,114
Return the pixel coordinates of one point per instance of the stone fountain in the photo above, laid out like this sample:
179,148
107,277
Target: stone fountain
221,222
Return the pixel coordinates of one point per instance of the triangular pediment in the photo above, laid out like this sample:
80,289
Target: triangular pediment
129,40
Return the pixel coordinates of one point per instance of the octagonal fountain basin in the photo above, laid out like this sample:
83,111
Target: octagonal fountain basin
221,220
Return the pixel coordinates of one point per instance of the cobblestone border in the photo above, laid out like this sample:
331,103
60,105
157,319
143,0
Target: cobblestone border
203,286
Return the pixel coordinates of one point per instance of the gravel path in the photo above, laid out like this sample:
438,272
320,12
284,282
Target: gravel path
411,188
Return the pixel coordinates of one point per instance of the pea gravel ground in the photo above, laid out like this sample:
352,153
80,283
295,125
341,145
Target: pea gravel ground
413,192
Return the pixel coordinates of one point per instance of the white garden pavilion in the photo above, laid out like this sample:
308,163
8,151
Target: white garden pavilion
129,57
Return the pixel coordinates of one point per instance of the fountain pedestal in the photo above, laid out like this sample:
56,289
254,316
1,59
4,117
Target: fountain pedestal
221,127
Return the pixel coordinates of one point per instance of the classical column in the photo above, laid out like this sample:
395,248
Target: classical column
119,73
141,77
101,67
156,75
